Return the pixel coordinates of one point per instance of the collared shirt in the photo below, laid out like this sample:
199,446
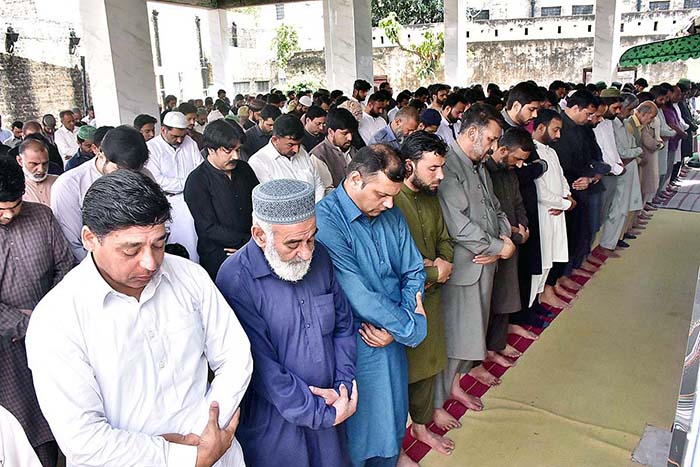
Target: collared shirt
169,166
255,140
391,115
5,134
112,373
605,135
331,163
369,125
79,158
14,445
66,142
39,192
381,270
301,335
222,209
269,164
385,136
67,196
34,257
448,131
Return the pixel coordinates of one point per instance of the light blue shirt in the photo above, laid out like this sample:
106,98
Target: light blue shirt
380,270
385,136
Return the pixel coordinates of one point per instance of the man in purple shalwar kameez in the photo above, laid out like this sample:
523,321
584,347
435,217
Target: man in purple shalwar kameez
285,294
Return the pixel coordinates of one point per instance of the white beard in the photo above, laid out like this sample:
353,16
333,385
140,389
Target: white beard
36,179
290,271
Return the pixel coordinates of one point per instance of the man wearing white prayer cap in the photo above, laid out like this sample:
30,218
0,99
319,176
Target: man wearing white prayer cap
173,155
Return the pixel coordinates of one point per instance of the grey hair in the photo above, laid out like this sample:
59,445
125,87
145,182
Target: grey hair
629,100
267,228
647,107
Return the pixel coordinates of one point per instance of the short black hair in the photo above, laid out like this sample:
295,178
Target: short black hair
143,119
524,93
378,96
658,91
270,111
645,96
125,147
370,160
336,93
641,82
288,126
361,85
187,108
169,98
63,113
341,119
479,115
17,124
420,142
315,112
545,116
454,99
11,180
404,95
420,92
220,91
100,134
557,84
517,138
275,99
124,199
417,104
221,134
582,99
439,87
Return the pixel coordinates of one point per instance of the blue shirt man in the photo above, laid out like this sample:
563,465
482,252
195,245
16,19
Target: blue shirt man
286,296
381,271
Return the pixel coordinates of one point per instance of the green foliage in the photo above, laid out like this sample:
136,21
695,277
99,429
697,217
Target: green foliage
408,12
429,52
286,43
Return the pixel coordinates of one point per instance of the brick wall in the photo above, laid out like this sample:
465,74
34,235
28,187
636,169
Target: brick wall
30,89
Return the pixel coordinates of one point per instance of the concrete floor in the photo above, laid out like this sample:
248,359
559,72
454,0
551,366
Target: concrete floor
583,394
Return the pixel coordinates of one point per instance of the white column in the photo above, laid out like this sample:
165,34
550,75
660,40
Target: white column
456,73
606,45
119,60
347,26
219,40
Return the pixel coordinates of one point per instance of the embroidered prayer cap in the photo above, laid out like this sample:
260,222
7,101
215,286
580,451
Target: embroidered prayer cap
174,119
87,133
610,92
284,201
306,101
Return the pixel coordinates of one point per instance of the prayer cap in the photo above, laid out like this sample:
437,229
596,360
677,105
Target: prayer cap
306,101
175,119
201,111
87,133
243,111
610,92
284,201
214,115
430,117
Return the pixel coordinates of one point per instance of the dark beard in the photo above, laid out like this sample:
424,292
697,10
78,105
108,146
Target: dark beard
422,186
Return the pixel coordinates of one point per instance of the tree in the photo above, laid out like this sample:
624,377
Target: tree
286,43
408,11
429,52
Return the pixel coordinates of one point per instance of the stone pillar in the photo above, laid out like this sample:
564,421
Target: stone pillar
456,73
119,59
219,44
347,26
606,45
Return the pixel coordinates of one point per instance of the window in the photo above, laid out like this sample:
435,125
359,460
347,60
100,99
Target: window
582,10
262,86
478,15
234,35
550,11
691,4
241,87
279,9
657,6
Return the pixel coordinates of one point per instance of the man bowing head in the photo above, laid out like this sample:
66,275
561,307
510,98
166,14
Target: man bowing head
285,293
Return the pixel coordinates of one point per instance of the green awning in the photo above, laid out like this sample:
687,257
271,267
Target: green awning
670,50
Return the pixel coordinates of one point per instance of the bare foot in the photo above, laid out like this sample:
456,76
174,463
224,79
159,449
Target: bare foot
551,299
405,461
482,375
439,443
609,253
522,332
471,402
496,357
569,283
511,352
444,420
590,267
562,292
581,272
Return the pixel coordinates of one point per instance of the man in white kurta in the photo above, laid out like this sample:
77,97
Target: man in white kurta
553,198
372,117
66,137
120,349
285,157
173,155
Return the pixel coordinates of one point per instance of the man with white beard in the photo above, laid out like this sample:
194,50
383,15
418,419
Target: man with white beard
34,159
283,289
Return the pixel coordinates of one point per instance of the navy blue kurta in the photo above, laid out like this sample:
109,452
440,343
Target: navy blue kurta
301,335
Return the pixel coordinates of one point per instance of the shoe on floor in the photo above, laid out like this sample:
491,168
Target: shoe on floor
630,237
622,244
